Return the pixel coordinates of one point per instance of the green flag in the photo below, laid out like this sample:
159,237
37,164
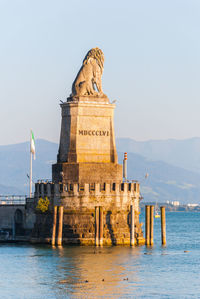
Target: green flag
32,144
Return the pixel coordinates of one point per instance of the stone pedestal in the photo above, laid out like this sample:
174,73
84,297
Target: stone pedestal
87,151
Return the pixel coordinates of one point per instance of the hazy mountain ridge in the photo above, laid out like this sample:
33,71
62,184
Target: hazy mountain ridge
182,153
165,181
15,163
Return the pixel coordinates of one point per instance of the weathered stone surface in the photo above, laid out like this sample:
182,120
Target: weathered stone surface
17,219
87,133
87,172
87,151
79,203
79,228
88,79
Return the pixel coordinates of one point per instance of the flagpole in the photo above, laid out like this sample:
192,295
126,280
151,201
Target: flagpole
32,152
30,176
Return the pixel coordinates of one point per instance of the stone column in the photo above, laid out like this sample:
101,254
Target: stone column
97,226
37,190
132,230
56,190
48,189
54,226
60,226
101,226
42,190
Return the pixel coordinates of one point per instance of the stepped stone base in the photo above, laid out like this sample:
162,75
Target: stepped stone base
86,172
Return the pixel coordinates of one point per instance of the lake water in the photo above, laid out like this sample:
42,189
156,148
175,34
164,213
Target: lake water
110,272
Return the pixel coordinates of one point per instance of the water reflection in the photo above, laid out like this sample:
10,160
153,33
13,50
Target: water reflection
88,272
98,272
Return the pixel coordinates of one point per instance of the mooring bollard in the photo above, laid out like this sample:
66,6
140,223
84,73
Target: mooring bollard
132,230
97,226
53,239
147,224
60,226
151,224
163,225
101,226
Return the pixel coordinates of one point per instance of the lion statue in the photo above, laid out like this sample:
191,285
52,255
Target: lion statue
88,79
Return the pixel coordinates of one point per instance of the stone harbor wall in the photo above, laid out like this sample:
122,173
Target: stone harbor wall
79,202
17,220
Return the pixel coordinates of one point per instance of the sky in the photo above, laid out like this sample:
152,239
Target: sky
152,64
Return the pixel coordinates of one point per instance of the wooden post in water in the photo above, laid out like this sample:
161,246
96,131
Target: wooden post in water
132,230
60,226
163,225
97,226
147,224
151,224
53,239
101,226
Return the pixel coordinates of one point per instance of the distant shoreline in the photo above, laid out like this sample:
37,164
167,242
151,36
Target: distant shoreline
172,208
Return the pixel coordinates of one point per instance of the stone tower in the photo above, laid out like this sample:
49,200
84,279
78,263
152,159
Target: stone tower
87,179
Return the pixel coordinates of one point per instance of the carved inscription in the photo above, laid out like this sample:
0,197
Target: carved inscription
94,133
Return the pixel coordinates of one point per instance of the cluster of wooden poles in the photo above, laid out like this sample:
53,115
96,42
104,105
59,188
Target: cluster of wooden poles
149,225
99,224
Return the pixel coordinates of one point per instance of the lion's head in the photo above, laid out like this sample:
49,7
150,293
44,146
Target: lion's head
97,54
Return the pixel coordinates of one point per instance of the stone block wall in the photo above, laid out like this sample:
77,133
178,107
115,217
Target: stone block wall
79,202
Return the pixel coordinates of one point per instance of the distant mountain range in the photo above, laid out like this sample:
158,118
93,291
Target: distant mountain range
173,167
182,153
15,161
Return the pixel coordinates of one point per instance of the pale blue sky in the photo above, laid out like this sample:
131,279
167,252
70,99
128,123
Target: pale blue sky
152,64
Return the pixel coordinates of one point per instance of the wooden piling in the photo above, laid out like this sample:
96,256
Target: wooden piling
132,230
60,226
97,226
147,224
101,226
151,224
163,225
53,239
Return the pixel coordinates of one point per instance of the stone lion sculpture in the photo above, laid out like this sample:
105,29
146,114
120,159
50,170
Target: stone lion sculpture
88,79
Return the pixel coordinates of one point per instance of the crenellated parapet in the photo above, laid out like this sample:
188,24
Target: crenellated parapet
48,189
75,196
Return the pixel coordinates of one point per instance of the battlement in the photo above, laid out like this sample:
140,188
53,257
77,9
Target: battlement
50,189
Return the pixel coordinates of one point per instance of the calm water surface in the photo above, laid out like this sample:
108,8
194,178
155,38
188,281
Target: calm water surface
108,272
